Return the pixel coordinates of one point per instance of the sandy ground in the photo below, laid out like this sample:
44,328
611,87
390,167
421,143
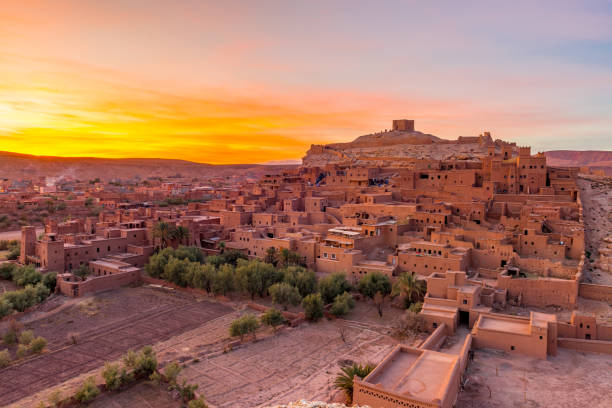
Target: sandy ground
596,196
9,235
570,379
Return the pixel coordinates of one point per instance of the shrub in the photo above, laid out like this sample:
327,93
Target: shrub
145,363
342,304
6,308
187,391
55,398
38,345
49,280
6,270
313,306
171,372
243,326
88,391
26,337
112,376
303,279
197,403
10,337
22,350
272,318
5,358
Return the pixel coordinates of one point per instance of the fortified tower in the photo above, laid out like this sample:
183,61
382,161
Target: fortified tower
28,243
403,125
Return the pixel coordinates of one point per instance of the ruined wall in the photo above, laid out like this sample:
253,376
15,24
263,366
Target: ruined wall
592,346
596,292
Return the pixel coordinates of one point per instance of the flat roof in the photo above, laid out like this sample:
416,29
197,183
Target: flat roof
511,326
423,375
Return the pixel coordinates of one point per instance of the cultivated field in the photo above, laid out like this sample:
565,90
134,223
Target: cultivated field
105,327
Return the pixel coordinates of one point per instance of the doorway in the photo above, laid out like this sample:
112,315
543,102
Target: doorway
464,318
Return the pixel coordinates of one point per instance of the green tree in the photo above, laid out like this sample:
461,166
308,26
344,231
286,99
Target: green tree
243,326
313,306
176,271
224,280
376,286
180,234
272,318
332,286
49,279
197,403
255,277
410,288
271,256
285,295
163,231
303,279
82,271
344,379
342,304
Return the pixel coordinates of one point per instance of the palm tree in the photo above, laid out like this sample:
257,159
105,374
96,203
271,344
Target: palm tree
221,246
410,287
344,379
271,256
181,234
162,231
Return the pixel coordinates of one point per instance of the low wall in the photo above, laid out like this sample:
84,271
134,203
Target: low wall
435,339
464,354
154,281
591,346
595,292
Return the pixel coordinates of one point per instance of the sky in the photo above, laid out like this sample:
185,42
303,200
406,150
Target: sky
257,81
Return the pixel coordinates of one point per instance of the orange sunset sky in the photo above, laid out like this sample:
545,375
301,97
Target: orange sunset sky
251,81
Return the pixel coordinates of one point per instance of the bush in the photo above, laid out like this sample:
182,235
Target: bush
10,337
55,398
38,345
88,391
313,306
272,318
26,275
285,294
112,376
332,286
49,280
6,308
187,391
145,362
197,403
171,372
6,270
243,326
26,337
342,304
5,358
22,350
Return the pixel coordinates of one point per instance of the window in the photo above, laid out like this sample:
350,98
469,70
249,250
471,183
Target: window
324,254
511,347
465,301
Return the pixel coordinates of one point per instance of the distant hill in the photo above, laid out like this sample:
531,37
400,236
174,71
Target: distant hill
598,159
21,166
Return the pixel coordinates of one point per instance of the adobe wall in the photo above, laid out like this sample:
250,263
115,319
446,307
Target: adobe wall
435,339
595,292
542,292
591,346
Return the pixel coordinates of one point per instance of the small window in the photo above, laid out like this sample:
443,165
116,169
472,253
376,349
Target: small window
540,337
511,347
